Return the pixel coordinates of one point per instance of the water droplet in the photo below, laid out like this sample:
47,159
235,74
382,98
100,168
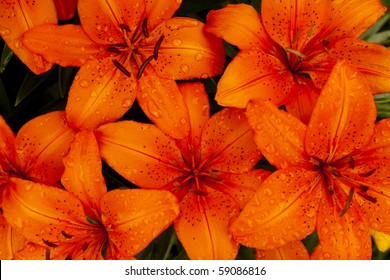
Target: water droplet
270,148
4,31
268,192
77,77
98,27
126,103
154,110
185,68
198,56
183,121
177,42
28,187
17,44
204,76
84,83
3,144
97,112
82,49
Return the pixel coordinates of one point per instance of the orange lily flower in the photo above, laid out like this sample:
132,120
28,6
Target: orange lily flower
291,251
210,171
65,8
19,16
129,49
332,177
84,221
287,53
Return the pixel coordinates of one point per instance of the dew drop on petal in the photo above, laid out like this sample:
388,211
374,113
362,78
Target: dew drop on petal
153,109
183,121
185,68
84,83
4,31
177,42
126,103
198,56
97,112
268,192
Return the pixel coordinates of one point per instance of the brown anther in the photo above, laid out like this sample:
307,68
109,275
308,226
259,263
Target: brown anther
121,67
351,162
367,197
125,27
369,173
145,27
143,66
66,235
48,243
348,203
85,246
47,254
157,47
113,50
201,193
68,257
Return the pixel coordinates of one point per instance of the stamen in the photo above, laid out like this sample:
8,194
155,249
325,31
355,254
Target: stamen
297,53
143,66
113,50
351,162
48,243
66,235
145,27
368,197
47,254
125,27
157,47
296,35
348,203
364,188
369,173
198,192
121,67
90,220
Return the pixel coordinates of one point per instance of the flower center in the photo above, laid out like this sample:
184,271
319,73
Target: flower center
131,47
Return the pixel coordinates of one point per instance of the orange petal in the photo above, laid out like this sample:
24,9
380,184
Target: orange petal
291,251
66,45
186,52
283,210
31,252
379,145
254,75
345,237
343,118
227,142
133,218
65,9
141,153
101,19
205,220
157,11
352,18
41,144
278,135
240,25
44,215
19,16
8,160
293,24
302,101
83,172
10,240
100,94
241,187
163,103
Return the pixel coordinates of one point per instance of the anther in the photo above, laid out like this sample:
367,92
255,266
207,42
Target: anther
157,47
143,66
121,67
351,162
48,243
348,203
66,235
201,193
47,254
113,50
369,173
145,27
125,27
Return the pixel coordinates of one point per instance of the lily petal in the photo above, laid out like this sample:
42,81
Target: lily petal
101,19
283,210
10,240
65,9
379,145
343,118
19,16
352,18
42,213
291,251
278,135
186,51
141,153
41,144
31,252
157,11
8,160
205,220
83,172
240,25
254,75
345,237
66,45
241,187
163,103
293,24
227,142
302,101
133,218
100,94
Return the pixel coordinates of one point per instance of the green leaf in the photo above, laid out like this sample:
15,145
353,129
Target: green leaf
5,105
30,83
5,57
246,253
311,242
256,4
375,28
65,79
382,38
382,102
195,6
